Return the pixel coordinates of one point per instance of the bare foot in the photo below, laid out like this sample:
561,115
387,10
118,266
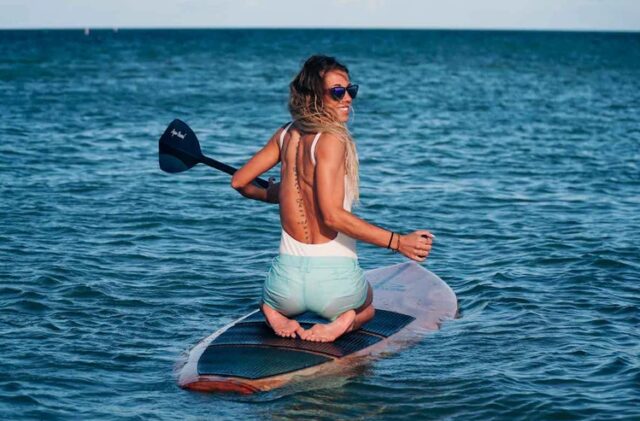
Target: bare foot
282,326
331,331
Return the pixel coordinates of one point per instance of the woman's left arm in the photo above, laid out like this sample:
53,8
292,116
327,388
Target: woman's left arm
267,158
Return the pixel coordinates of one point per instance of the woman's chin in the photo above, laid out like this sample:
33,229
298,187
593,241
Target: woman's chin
343,116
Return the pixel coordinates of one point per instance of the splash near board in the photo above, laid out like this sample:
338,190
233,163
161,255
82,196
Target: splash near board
247,357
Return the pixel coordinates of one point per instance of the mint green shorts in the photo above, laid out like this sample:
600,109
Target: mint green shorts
327,286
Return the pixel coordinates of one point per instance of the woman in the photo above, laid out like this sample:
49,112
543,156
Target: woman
317,269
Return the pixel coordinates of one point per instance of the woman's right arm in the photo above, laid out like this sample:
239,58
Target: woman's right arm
265,159
330,170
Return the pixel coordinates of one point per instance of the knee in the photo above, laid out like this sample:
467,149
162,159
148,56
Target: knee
370,312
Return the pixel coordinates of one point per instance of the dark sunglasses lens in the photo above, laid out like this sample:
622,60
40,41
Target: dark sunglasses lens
338,92
353,91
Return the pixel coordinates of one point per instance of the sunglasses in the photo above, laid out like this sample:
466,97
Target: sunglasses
337,92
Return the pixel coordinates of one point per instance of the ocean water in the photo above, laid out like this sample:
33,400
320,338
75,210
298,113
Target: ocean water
519,150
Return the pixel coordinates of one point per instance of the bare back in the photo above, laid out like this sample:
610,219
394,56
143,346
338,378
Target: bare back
299,209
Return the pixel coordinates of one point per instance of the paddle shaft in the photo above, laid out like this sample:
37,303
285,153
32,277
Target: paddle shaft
230,170
217,165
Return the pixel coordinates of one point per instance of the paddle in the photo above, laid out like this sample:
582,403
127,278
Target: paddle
179,150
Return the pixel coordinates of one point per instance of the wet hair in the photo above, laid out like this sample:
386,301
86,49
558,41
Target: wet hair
306,105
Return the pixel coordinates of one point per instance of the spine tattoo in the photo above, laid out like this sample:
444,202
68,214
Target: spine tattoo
301,211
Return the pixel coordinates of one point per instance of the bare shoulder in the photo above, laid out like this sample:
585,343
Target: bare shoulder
278,133
330,147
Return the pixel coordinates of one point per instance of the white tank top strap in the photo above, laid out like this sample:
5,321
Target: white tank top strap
284,132
313,148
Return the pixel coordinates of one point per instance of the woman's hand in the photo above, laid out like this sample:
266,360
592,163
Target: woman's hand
273,191
416,246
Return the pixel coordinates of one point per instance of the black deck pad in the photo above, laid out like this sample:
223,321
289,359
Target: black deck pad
385,323
258,333
254,362
250,349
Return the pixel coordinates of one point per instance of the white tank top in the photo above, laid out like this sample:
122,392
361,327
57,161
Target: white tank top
342,245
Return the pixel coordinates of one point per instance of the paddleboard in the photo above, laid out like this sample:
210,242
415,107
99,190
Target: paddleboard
247,357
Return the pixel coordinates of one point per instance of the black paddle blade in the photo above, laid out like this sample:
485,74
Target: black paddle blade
178,148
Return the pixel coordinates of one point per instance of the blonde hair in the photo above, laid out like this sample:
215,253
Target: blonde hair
311,116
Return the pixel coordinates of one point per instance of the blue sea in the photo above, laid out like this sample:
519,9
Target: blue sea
520,151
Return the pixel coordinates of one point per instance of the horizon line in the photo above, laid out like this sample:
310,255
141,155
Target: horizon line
390,28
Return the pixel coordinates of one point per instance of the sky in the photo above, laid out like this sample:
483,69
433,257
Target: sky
616,15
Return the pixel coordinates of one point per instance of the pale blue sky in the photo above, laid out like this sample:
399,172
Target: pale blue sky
500,14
